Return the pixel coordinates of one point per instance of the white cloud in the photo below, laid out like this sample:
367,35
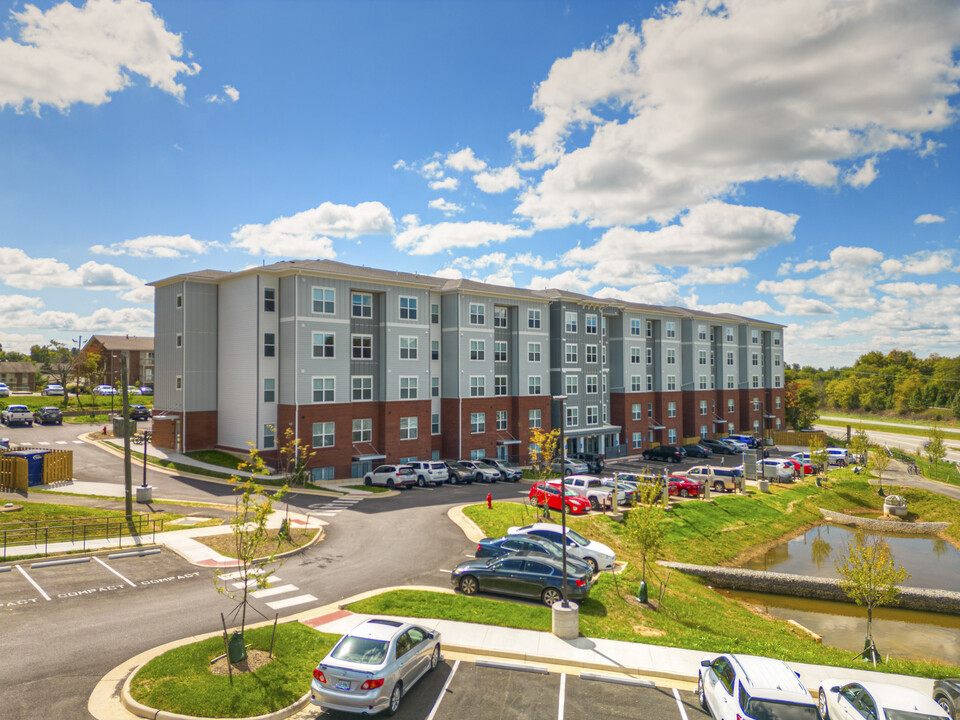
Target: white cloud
909,289
305,233
143,295
229,93
928,219
19,270
70,54
447,183
652,291
449,273
782,287
750,308
431,239
503,276
498,180
705,98
796,305
921,263
465,160
154,246
447,208
24,312
499,259
715,276
576,280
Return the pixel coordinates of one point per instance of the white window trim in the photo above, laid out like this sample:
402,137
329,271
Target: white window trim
415,387
415,348
416,308
313,300
313,389
353,389
353,348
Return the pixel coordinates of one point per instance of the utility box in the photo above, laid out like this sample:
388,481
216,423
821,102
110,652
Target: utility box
123,430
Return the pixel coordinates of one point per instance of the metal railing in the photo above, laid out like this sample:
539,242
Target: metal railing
77,531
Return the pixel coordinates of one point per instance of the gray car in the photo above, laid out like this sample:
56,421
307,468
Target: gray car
374,666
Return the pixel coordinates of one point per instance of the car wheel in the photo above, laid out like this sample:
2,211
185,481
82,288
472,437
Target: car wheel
435,657
718,486
394,705
468,585
390,484
421,481
684,492
594,504
368,481
822,706
701,694
551,596
592,562
945,704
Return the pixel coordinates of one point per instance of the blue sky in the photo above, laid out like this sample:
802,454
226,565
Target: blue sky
791,160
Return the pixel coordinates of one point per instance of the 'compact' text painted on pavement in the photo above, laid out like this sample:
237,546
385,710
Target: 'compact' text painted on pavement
169,579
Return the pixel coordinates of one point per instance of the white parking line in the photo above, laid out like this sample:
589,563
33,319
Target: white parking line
131,584
445,571
61,442
299,600
683,713
78,442
279,590
443,691
43,442
31,581
563,694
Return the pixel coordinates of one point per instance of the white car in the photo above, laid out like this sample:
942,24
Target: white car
735,445
4,390
842,700
104,390
774,468
52,389
430,472
838,456
598,555
391,476
731,687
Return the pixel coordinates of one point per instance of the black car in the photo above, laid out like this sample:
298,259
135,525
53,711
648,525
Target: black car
509,544
594,461
459,473
697,450
947,694
139,412
46,415
521,575
716,446
667,453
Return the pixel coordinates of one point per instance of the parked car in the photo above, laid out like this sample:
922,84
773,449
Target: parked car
146,390
667,453
749,440
738,447
719,478
104,390
16,415
373,666
481,471
548,493
733,686
139,412
392,476
839,700
571,466
4,390
947,694
716,446
804,468
625,490
597,554
508,470
47,415
595,461
678,486
4,443
775,468
838,456
591,489
498,547
459,473
52,389
521,575
430,472
697,451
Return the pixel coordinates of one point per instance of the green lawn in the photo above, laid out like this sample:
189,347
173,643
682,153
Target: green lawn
180,680
216,457
914,432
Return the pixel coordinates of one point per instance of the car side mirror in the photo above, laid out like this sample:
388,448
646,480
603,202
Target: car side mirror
835,688
705,663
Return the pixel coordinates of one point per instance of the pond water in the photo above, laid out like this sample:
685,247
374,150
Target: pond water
932,562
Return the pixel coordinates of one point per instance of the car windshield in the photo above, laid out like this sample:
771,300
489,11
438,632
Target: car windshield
506,464
577,537
361,650
907,715
774,710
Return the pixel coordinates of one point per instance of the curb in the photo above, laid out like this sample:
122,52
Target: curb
318,536
468,526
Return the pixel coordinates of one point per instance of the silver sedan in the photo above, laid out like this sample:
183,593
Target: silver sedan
374,666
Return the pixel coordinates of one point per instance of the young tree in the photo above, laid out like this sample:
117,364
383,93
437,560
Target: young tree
869,576
543,450
955,406
818,454
292,459
936,449
645,524
860,445
879,462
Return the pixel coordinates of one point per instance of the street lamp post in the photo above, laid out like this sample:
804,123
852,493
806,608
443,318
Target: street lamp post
146,442
563,493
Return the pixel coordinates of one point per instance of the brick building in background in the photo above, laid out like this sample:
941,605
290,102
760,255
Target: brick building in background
110,347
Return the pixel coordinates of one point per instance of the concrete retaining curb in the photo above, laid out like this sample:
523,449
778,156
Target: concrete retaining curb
917,528
469,527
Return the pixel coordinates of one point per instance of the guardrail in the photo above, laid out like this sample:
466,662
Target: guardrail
80,530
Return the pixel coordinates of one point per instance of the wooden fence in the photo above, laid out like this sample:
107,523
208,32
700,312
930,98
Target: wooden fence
789,437
13,474
57,466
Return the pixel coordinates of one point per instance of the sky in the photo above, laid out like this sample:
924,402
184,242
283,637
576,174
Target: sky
795,161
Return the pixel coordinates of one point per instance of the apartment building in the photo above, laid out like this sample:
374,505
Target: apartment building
367,366
109,348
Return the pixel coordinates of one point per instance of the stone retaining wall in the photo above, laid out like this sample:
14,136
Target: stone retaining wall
915,528
941,601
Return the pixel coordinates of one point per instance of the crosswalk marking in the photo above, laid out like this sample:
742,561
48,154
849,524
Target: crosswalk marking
43,442
298,600
78,442
254,581
61,442
268,592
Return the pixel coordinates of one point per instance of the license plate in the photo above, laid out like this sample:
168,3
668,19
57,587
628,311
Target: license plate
343,685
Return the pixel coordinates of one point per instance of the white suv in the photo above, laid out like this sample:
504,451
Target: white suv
430,472
734,686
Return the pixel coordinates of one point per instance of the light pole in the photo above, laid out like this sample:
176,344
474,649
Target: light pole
146,441
563,493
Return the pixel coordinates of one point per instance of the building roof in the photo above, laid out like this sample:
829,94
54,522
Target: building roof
10,366
122,342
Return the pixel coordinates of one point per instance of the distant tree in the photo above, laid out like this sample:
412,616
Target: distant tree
879,462
60,363
646,524
40,354
936,448
955,405
801,403
543,450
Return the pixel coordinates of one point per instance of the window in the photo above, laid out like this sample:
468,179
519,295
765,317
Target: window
533,319
408,428
408,388
703,407
637,440
500,351
702,384
702,332
672,436
703,432
323,434
434,349
671,329
570,384
636,383
671,382
477,386
435,424
635,356
591,383
534,448
755,359
478,454
712,338
478,349
533,352
604,376
323,345
603,325
478,423
776,338
649,328
776,381
499,384
649,383
754,336
323,300
729,382
269,345
179,382
731,429
533,385
702,359
756,404
573,416
729,334
179,340
776,360
361,347
671,356
408,308
591,354
477,314
590,324
730,406
712,383
363,430
361,305
269,299
408,348
570,322
269,390
570,353
323,389
729,358
535,419
501,420
755,381
713,358
362,387
649,356
650,410
637,411
435,313
593,417
776,402
269,438
778,423
635,327
604,354
671,409
179,301
499,317
434,387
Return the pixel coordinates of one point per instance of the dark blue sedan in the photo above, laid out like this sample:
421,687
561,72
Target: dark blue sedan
521,575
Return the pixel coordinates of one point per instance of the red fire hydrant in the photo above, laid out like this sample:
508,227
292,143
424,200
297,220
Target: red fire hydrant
489,501
104,429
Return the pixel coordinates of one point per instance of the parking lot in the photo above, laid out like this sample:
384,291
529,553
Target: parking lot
489,690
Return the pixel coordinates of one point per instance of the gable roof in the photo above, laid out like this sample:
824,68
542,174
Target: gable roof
122,342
